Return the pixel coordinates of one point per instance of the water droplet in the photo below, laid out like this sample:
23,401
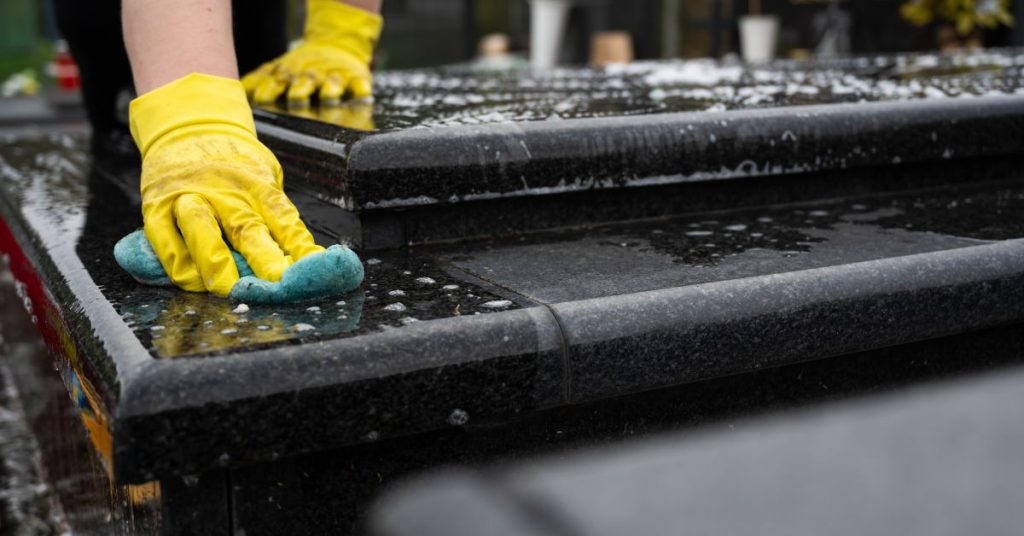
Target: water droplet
157,328
699,233
450,287
736,227
371,261
300,327
397,307
241,309
339,303
263,327
396,293
497,304
313,309
425,280
228,331
458,417
818,213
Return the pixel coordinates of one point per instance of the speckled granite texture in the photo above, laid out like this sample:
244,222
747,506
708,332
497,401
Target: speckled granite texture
481,333
450,153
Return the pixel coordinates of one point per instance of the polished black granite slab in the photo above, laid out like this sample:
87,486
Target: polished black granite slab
941,459
640,306
439,153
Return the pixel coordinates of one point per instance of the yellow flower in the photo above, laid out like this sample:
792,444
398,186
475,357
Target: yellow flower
967,15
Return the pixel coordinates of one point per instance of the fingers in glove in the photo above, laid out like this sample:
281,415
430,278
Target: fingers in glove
333,88
163,235
202,235
271,87
360,87
282,218
301,88
253,79
249,235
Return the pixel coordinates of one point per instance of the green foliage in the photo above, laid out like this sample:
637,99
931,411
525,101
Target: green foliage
34,59
967,15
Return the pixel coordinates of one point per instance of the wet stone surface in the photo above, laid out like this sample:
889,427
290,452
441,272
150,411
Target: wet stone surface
52,184
643,256
984,214
398,290
466,96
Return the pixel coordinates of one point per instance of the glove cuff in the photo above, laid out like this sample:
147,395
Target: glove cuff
344,26
193,99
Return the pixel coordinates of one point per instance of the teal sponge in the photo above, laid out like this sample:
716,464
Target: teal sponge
332,272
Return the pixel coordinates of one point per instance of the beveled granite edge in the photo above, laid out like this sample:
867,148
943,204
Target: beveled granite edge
643,341
172,417
423,166
264,405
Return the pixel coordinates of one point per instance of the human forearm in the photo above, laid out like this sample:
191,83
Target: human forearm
170,39
373,6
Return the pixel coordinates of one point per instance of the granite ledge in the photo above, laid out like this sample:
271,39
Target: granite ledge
290,400
409,168
642,341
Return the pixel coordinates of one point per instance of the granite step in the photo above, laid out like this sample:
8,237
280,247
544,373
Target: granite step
484,333
452,154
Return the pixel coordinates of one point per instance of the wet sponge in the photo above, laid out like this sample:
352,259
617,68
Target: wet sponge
332,272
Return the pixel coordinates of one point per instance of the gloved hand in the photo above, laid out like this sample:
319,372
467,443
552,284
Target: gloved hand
204,171
334,58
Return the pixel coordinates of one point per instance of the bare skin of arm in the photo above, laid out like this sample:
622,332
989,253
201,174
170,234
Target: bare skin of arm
170,39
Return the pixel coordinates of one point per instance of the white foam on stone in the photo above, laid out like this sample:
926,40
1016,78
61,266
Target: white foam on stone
228,331
425,280
396,307
300,327
241,309
497,304
396,293
450,287
313,309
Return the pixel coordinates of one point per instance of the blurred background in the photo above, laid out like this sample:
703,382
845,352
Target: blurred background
422,33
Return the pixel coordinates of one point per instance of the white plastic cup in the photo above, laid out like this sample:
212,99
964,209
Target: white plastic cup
547,23
759,35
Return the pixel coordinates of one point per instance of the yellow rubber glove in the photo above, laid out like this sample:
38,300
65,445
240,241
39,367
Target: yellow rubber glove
205,177
334,58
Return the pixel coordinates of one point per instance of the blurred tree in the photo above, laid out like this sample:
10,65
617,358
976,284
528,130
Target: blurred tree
22,44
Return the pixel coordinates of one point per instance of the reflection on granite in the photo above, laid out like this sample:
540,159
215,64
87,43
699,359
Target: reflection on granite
462,96
624,258
995,213
398,290
54,186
